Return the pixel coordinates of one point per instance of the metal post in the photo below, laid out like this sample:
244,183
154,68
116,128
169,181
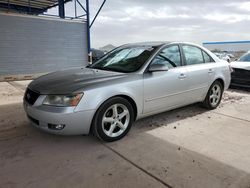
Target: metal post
8,5
61,9
88,33
29,7
75,9
81,5
97,13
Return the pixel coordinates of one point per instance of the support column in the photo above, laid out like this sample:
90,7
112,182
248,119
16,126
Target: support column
61,8
88,33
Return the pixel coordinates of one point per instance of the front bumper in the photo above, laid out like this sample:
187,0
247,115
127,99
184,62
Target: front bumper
240,78
76,123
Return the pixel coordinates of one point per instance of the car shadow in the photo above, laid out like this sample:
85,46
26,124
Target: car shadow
240,89
168,117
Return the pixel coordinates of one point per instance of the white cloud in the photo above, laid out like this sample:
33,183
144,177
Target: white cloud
187,20
227,18
241,6
159,13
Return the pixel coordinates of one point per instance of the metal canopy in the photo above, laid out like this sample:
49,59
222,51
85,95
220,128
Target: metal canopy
31,6
38,7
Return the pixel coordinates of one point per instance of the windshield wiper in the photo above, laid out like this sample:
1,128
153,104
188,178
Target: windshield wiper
102,68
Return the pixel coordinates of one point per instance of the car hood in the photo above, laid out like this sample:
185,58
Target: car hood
240,65
71,80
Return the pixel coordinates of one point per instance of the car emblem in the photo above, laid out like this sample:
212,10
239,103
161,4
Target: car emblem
28,96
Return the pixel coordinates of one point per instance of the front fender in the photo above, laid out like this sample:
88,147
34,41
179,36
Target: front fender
94,98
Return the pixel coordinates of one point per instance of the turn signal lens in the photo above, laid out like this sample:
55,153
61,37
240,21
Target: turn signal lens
76,100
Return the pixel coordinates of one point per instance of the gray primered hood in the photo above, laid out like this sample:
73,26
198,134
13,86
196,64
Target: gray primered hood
71,80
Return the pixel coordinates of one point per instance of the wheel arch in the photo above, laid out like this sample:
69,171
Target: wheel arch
131,101
127,97
221,81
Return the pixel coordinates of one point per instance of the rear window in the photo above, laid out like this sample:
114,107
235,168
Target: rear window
207,58
193,55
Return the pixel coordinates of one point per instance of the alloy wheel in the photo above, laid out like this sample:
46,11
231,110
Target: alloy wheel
215,95
115,120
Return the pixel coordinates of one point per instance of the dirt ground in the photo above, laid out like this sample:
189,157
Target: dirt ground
187,147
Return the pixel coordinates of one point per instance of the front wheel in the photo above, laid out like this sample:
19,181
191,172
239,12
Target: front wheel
113,119
214,96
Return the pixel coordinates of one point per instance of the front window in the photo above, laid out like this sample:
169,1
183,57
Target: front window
125,59
245,57
169,56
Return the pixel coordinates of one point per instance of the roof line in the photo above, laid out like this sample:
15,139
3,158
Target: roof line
228,42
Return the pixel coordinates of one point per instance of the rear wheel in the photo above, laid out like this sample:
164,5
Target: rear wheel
113,119
214,96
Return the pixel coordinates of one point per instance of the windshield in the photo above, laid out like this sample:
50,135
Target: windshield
125,59
245,57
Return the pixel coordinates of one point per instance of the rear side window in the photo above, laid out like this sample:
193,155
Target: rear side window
193,55
207,58
169,56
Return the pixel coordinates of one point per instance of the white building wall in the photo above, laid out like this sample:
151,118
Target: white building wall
234,46
31,45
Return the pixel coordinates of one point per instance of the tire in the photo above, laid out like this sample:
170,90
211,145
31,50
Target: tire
113,119
214,96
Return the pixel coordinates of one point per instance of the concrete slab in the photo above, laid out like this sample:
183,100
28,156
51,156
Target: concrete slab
23,82
9,94
42,160
235,104
217,138
187,147
178,166
13,122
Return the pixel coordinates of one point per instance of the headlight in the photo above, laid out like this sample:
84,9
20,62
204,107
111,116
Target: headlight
63,100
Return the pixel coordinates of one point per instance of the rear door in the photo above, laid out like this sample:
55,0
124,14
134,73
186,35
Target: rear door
199,72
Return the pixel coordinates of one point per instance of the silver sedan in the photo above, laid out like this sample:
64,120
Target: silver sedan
131,82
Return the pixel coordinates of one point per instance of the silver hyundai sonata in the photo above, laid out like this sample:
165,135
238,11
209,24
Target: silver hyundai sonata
130,82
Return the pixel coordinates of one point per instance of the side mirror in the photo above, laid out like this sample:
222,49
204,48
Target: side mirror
158,67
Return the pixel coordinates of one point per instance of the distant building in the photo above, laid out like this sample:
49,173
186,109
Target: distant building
96,54
230,46
107,48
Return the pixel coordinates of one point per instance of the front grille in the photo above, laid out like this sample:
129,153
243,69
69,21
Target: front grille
33,120
31,96
241,76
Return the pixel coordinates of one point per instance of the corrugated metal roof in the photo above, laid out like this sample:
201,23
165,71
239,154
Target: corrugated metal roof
228,42
36,6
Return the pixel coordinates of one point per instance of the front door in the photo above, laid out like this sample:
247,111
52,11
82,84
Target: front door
164,90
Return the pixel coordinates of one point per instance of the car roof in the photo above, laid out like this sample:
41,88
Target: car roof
152,44
159,44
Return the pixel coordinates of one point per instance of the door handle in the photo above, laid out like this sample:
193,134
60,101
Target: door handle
210,71
182,76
